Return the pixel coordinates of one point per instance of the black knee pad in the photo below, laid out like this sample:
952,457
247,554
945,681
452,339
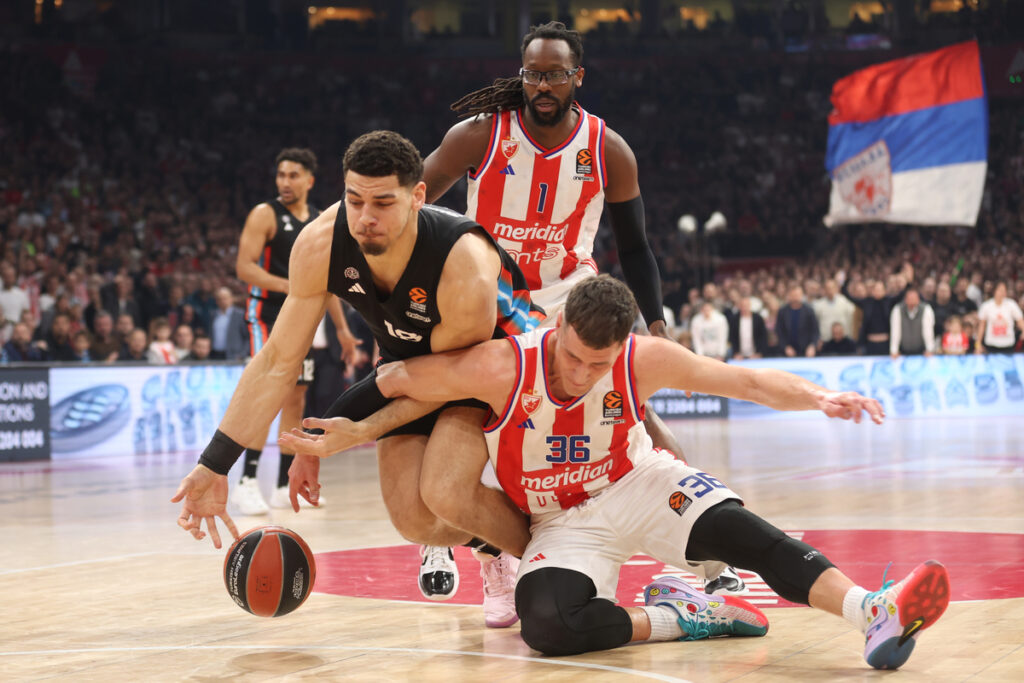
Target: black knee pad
730,533
559,614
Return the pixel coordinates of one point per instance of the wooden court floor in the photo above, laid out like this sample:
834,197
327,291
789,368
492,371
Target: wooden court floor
98,584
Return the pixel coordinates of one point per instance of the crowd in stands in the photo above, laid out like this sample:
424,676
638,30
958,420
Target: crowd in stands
125,181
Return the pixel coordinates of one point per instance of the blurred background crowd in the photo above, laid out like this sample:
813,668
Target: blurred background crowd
132,152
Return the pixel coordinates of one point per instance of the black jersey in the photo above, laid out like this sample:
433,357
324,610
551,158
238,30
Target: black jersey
278,250
403,320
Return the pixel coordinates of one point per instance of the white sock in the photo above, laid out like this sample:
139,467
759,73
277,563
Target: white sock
852,610
664,623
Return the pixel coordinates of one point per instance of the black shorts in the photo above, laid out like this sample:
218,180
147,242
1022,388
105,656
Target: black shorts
260,316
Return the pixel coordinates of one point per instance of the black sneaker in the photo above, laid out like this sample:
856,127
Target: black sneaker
439,575
727,583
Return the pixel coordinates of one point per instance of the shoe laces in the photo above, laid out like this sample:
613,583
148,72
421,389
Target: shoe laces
435,555
497,577
885,586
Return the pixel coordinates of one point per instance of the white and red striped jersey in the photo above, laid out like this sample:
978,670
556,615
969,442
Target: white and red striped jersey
541,205
550,455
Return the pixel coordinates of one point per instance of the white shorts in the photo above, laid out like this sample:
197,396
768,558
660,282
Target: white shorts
651,510
552,299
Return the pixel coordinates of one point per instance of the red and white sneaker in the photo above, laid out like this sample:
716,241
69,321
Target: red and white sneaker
499,575
897,613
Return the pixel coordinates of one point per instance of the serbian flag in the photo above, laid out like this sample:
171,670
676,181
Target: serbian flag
908,141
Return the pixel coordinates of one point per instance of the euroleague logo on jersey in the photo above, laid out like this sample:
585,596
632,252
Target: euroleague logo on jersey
613,404
584,162
418,299
679,502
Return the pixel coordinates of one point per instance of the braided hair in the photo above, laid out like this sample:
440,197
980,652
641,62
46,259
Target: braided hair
507,93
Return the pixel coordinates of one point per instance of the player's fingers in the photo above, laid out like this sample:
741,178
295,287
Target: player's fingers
315,423
293,496
183,488
211,526
229,523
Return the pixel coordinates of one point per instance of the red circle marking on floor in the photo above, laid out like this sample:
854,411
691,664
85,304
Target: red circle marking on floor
981,566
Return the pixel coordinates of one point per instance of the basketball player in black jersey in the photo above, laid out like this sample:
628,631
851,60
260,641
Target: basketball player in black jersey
426,280
263,250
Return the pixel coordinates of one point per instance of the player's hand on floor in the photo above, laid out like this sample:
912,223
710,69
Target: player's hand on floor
304,478
203,495
849,405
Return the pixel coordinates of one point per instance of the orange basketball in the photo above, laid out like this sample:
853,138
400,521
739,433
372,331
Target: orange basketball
269,571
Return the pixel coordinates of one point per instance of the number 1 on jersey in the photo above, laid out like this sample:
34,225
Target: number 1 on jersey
543,197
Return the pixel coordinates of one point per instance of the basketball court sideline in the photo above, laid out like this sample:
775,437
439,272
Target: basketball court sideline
98,582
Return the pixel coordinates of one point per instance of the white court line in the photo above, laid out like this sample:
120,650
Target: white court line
77,562
411,650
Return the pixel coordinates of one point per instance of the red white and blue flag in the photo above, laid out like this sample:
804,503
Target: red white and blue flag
908,140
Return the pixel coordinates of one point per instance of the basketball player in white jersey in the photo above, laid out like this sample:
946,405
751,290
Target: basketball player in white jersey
540,171
566,438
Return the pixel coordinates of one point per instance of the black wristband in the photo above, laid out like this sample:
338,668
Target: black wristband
221,453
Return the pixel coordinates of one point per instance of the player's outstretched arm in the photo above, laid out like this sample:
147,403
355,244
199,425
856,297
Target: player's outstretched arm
264,383
659,363
486,372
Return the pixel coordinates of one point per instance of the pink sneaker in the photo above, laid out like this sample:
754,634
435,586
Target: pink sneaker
499,575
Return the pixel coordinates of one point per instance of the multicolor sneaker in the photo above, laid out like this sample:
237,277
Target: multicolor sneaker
706,616
439,575
897,613
499,575
727,583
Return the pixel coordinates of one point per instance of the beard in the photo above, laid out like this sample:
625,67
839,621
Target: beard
372,249
555,117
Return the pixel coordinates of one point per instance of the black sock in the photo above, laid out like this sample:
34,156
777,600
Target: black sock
252,461
483,546
282,470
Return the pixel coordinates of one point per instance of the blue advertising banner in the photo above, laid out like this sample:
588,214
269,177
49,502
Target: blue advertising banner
909,386
126,410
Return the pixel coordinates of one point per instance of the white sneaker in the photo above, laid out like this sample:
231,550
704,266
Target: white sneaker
727,583
439,575
279,500
248,499
499,575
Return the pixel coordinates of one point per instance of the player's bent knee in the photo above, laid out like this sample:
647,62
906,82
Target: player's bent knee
559,614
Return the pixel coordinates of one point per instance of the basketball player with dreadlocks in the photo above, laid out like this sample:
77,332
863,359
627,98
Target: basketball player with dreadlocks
540,170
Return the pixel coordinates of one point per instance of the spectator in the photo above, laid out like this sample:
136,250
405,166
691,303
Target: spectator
954,340
797,326
161,350
119,298
105,346
911,326
974,290
95,306
943,306
150,301
999,318
58,342
125,325
227,329
136,350
710,332
832,308
771,320
838,344
20,348
80,343
874,331
200,349
13,299
203,303
962,303
747,334
183,339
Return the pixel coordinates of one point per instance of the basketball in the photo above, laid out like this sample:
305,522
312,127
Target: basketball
269,571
